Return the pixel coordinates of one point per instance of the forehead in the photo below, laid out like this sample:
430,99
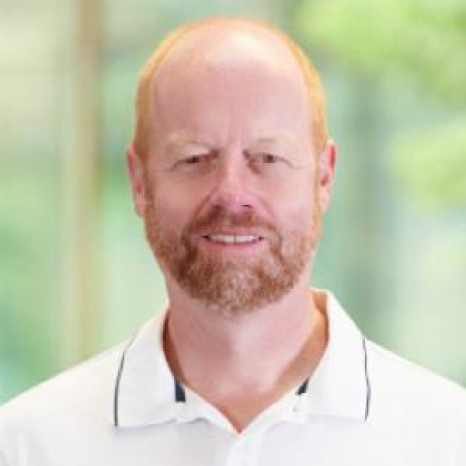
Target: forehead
215,74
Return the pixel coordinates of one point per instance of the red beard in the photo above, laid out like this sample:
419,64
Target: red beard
226,285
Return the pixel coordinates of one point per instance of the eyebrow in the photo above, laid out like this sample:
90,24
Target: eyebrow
181,138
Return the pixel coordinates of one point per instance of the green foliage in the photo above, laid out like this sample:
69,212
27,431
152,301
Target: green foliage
423,40
432,165
29,274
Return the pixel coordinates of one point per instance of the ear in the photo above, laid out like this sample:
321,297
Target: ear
136,174
326,174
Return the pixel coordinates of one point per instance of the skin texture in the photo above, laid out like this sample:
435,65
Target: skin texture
143,96
230,152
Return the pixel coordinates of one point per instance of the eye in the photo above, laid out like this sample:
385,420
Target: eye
268,158
268,164
193,159
195,164
264,158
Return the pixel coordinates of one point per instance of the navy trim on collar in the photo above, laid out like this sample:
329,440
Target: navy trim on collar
180,394
303,388
116,394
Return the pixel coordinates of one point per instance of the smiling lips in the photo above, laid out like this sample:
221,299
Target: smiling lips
233,239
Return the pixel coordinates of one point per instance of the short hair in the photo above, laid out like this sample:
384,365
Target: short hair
143,96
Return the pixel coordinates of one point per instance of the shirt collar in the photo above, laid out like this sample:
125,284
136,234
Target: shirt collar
340,385
145,391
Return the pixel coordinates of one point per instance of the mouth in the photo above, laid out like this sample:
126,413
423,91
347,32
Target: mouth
233,239
234,243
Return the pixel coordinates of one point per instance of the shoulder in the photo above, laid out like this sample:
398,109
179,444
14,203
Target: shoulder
392,374
406,394
420,409
80,394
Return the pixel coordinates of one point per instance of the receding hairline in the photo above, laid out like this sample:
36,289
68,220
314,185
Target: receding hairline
224,24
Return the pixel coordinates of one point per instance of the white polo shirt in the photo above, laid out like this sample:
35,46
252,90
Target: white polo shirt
362,406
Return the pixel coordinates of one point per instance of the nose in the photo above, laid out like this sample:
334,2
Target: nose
232,187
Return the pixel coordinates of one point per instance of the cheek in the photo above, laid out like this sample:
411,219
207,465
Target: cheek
173,210
300,222
296,211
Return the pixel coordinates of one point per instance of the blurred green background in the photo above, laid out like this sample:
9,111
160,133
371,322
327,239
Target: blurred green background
75,273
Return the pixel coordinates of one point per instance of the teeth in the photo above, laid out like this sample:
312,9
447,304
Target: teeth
231,239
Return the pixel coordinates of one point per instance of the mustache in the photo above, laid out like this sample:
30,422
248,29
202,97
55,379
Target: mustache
219,217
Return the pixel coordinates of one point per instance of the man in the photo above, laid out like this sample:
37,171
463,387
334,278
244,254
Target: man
231,170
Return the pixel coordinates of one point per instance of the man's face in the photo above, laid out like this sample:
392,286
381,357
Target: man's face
231,211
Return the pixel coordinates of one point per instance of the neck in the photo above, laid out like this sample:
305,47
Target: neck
266,352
